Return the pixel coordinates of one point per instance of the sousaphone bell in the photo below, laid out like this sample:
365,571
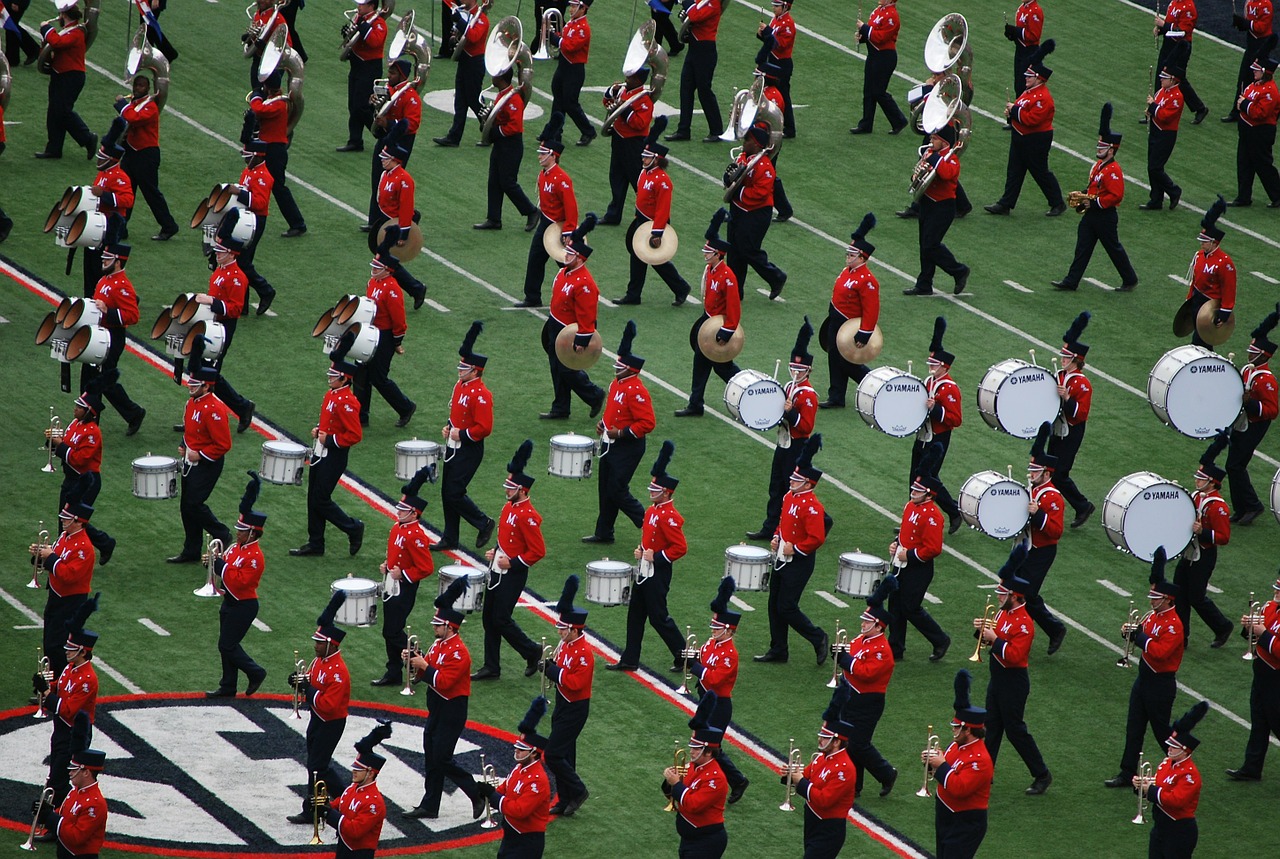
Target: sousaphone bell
715,351
584,360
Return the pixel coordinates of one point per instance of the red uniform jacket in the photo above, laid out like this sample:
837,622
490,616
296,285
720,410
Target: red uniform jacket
783,29
575,298
143,117
1214,276
857,294
241,569
700,796
1214,516
756,192
1160,639
556,198
1046,523
775,95
829,785
1166,111
717,666
868,666
82,821
720,295
71,565
947,413
1014,633
1106,182
577,666
77,692
476,34
263,17
329,690
340,417
1269,641
257,184
524,798
943,186
635,122
802,417
409,548
964,781
629,408
362,812
471,410
395,197
229,288
68,48
448,667
921,531
389,298
407,107
1259,13
802,522
520,534
1075,408
510,121
273,117
118,197
117,293
204,427
653,197
1032,110
1261,104
81,447
1176,790
1029,19
704,16
575,41
373,35
881,29
1180,17
1260,402
663,532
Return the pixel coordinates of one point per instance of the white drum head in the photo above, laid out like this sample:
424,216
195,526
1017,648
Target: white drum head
755,399
154,463
994,504
747,554
892,401
355,586
1024,398
1143,512
286,449
1199,393
862,560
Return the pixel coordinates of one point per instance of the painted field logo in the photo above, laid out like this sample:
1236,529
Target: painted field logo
191,777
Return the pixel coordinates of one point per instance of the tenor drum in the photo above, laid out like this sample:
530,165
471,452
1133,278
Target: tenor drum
892,401
87,230
282,463
571,456
755,399
750,567
353,309
1016,398
80,312
187,311
1143,511
414,454
361,607
1195,391
89,345
609,582
860,574
155,477
366,342
994,504
215,337
472,598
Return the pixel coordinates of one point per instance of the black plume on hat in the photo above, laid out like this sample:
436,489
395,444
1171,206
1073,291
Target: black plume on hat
195,358
345,342
250,496
1077,327
809,451
839,698
81,617
721,602
939,328
1036,61
628,338
331,610
1265,327
110,140
521,458
886,588
1181,730
664,458
537,709
963,681
380,733
717,220
1105,134
452,593
1217,210
1038,455
1158,560
803,337
469,341
656,128
859,236
588,224
414,486
702,715
567,594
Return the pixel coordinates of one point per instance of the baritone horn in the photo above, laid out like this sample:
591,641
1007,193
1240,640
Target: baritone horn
143,56
46,798
212,552
489,776
931,744
680,763
552,22
981,623
643,50
795,760
253,37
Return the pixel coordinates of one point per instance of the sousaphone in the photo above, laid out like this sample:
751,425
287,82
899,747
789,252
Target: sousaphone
143,56
715,351
643,50
584,360
947,51
505,48
551,242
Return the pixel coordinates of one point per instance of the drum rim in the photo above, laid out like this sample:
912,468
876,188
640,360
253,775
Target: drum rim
762,549
875,558
163,463
291,447
579,442
592,567
428,444
364,588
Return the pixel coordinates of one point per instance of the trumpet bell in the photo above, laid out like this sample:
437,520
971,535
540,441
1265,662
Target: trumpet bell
946,42
503,46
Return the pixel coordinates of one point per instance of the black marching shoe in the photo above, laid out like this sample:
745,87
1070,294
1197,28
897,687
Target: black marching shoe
676,136
531,222
386,680
1200,115
735,793
776,289
598,405
962,280
997,209
164,235
770,656
445,142
1040,785
956,522
356,538
220,693
486,673
1064,285
487,224
1055,211
762,534
307,549
689,412
527,302
940,651
622,666
91,148
822,651
595,538
574,804
860,129
908,213
915,290
107,551
486,533
1241,775
1055,641
408,416
1151,206
182,558
531,666
264,302
246,417
1119,780
293,232
1221,638
255,683
627,300
831,404
350,147
553,416
478,805
1175,198
1247,517
887,786
420,812
681,298
300,818
1083,516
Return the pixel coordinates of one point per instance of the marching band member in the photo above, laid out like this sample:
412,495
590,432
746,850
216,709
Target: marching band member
327,686
228,293
628,418
574,300
627,139
524,796
866,668
751,212
446,669
828,784
653,203
365,56
1256,24
271,109
337,431
717,671
1101,200
779,37
408,562
69,563
1030,116
114,191
799,413
1076,392
720,297
945,413
396,199
571,670
963,774
81,453
1260,409
1175,29
1174,791
470,34
117,300
150,11
698,73
937,212
240,569
357,814
66,80
771,73
802,530
918,542
290,12
404,104
1159,637
82,816
269,12
855,295
880,34
1024,32
571,67
660,14
389,320
1164,107
505,155
700,791
1010,635
74,699
206,441
1264,694
1258,106
662,543
1211,529
1044,529
141,159
557,204
16,39
520,546
470,423
917,100
1213,273
254,192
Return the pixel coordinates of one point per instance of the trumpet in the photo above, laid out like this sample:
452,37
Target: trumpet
552,22
299,677
795,760
52,438
841,645
980,623
1145,778
42,542
46,798
489,776
212,553
1134,622
1251,617
319,801
931,744
45,671
690,652
548,652
679,762
411,676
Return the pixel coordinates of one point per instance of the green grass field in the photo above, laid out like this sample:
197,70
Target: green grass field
1078,701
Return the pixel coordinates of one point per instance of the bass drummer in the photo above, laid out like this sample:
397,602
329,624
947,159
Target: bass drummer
1044,529
855,295
720,297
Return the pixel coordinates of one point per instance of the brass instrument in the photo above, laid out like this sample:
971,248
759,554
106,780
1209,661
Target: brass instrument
679,762
1080,200
212,553
489,776
795,760
643,49
548,653
1253,615
1134,622
947,51
253,37
6,81
481,9
1145,778
505,49
406,38
552,22
143,56
44,670
411,676
46,798
300,673
841,645
92,8
350,34
42,541
691,651
931,744
319,801
277,54
751,107
922,174
984,622
53,437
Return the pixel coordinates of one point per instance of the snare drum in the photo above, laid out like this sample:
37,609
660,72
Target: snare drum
472,598
282,463
415,454
755,399
571,456
1195,391
361,607
1016,398
155,477
892,401
609,582
860,574
994,504
1143,511
750,567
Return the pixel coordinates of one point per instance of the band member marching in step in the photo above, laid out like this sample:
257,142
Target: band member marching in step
1174,790
240,571
1260,39
271,111
779,38
1258,106
828,783
1262,629
505,154
65,35
1175,29
114,190
653,204
855,295
571,669
1212,275
395,198
402,103
1030,118
937,212
751,211
1164,107
1260,409
866,668
254,192
720,297
82,816
142,153
80,450
73,701
267,18
574,301
1211,529
771,72
357,814
389,320
524,796
408,563
627,133
1044,529
557,208
918,542
470,423
699,794
963,774
717,671
227,297
1024,32
363,39
574,42
1076,392
69,563
880,34
206,441
470,34
944,414
702,18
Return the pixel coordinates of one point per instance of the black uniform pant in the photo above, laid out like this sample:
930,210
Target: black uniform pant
535,270
934,221
445,722
875,89
702,367
496,616
21,40
504,176
1006,705
823,838
468,81
639,268
614,470
1178,52
665,30
624,172
721,716
1243,443
360,78
521,845
277,161
259,284
567,722
84,488
745,236
116,395
222,388
957,834
786,587
711,845
696,76
1264,715
784,462
863,711
1100,225
322,740
166,47
61,118
321,508
395,614
1192,579
907,606
946,503
839,371
1172,839
566,90
1159,147
1254,161
1065,449
563,380
1029,153
57,611
290,15
458,467
234,619
1150,703
59,758
142,166
787,68
197,518
1035,569
375,174
1021,59
376,376
649,605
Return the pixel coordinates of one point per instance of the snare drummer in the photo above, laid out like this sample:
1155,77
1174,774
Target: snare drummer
81,453
856,294
919,541
717,671
1260,409
408,562
720,297
1213,273
1044,527
1211,529
117,300
206,440
945,413
571,670
1076,392
240,569
470,423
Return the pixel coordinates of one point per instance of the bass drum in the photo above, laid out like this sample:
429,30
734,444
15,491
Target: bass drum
994,504
1275,495
1016,398
892,401
1195,391
1143,511
609,582
754,399
750,567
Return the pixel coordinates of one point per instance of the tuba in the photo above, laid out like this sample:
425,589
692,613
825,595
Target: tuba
143,56
552,22
351,30
644,48
750,106
505,49
6,81
253,36
406,38
277,54
947,51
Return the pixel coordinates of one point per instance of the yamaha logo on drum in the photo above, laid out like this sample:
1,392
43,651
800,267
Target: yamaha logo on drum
902,387
1208,368
1028,377
760,391
1017,491
1161,495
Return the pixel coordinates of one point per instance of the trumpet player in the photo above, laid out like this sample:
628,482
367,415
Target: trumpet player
880,34
1030,116
363,40
828,785
1164,112
470,34
82,816
357,814
1046,510
141,159
751,211
627,139
505,156
1024,32
240,569
653,204
1263,629
408,562
937,212
720,297
65,37
1261,406
571,669
69,563
574,43
524,796
80,449
1158,635
855,295
74,699
1174,791
963,774
702,20
867,667
1256,23
1257,107
918,542
271,112
717,671
779,37
557,208
1210,531
700,792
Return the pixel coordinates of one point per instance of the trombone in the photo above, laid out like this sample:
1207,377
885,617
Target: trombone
46,671
987,621
411,676
680,762
1145,778
691,651
52,438
795,760
319,801
42,542
841,645
931,744
46,798
1252,616
299,677
490,777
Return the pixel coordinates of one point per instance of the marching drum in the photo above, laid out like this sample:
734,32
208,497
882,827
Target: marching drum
89,345
155,477
1275,495
755,399
860,573
187,311
414,454
366,342
750,566
472,598
214,334
86,231
994,504
80,312
571,456
353,309
892,401
1195,391
1143,511
609,582
282,463
1016,398
361,607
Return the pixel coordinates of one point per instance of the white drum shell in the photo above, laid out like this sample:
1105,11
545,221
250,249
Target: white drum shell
366,343
414,454
83,311
609,582
860,574
571,456
93,346
1195,391
155,477
1016,398
472,598
750,567
282,463
1143,511
994,504
361,607
892,401
754,399
1275,495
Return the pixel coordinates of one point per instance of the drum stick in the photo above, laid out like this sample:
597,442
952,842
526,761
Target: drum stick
1231,356
1009,471
777,365
1054,362
909,368
1032,352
